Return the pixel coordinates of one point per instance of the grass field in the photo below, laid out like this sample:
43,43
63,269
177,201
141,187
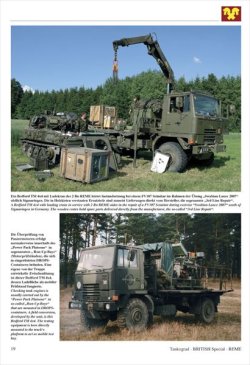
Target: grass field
226,327
223,175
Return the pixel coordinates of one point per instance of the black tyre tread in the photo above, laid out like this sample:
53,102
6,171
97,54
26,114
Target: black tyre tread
179,158
150,319
91,323
203,316
121,318
84,321
123,315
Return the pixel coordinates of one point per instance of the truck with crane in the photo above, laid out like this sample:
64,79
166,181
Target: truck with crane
184,125
131,284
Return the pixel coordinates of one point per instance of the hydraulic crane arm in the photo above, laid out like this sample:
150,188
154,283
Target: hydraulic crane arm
154,50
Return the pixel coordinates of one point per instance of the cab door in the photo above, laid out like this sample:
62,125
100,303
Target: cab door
129,277
176,118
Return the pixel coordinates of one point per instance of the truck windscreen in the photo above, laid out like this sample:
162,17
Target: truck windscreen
206,105
100,258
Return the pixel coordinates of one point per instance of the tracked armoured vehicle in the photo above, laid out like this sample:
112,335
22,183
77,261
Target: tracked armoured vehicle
48,133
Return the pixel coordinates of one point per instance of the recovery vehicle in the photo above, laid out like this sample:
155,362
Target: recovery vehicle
132,284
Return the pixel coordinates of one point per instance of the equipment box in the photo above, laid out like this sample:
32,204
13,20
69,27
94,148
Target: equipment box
103,116
84,164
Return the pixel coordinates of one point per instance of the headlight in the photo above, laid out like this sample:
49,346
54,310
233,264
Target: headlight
78,285
107,306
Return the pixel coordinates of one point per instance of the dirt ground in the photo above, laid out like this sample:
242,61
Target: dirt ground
226,327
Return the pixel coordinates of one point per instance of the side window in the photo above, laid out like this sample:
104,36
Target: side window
173,108
122,259
176,104
186,107
133,263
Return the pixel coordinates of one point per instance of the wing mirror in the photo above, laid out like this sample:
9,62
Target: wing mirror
131,255
179,102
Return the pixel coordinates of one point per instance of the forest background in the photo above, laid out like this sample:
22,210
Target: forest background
217,235
120,93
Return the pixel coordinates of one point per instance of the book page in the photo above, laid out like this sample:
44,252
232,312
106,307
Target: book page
124,149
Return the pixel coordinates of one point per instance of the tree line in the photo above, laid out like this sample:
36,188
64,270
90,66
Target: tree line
120,93
217,235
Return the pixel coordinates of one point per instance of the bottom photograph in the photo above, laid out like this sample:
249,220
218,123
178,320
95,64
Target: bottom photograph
160,277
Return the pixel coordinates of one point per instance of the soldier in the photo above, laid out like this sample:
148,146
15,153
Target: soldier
83,123
135,103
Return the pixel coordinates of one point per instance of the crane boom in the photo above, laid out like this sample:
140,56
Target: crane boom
154,50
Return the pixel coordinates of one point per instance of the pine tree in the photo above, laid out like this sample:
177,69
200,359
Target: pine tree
16,96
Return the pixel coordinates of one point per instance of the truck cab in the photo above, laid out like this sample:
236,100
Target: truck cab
195,118
131,284
106,274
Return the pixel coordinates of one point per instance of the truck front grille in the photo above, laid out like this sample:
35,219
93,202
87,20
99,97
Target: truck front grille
90,292
209,136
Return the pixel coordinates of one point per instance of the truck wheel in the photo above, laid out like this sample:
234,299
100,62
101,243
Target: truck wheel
178,158
90,323
134,316
207,311
150,319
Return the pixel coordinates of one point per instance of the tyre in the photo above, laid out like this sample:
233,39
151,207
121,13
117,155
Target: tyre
150,319
207,311
91,323
178,158
134,316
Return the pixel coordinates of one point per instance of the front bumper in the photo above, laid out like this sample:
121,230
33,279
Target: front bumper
201,149
106,306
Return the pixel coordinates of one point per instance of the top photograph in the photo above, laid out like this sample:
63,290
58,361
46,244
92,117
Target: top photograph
126,108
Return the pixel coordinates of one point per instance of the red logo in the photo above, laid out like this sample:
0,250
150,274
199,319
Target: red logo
231,13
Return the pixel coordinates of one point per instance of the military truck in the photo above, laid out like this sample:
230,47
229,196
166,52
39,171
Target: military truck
49,132
184,125
131,284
